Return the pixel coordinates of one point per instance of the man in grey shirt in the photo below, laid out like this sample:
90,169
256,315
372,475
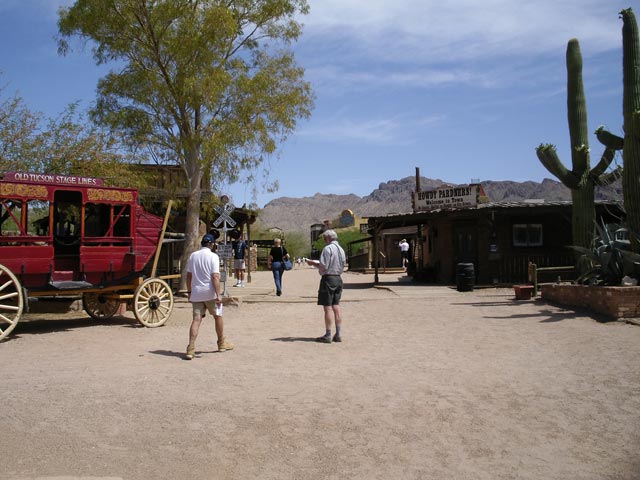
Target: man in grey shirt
330,267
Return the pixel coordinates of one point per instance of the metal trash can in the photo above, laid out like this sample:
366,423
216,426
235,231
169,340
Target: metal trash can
465,277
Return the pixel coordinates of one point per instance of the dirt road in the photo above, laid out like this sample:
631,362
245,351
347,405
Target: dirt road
429,383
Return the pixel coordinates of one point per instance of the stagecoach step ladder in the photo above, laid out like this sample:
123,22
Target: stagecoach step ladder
63,280
70,285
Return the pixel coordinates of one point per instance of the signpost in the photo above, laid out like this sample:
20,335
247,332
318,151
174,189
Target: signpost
225,251
446,197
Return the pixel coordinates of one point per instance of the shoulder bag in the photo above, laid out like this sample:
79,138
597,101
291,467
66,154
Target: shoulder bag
286,263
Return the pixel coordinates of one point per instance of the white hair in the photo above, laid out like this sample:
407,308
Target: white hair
330,234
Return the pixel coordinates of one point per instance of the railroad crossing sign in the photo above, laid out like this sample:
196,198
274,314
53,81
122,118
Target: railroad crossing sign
225,215
225,251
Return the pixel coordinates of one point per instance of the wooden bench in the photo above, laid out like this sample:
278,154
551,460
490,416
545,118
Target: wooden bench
534,270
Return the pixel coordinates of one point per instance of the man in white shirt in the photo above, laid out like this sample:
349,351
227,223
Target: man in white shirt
404,252
203,282
330,267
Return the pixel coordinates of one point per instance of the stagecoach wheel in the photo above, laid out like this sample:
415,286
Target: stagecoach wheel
153,302
11,301
98,307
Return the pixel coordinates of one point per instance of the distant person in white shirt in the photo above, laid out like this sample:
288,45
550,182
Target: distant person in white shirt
404,252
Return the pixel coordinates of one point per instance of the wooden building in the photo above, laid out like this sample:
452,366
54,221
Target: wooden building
499,239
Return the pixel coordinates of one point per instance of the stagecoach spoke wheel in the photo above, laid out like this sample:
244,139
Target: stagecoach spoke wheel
153,302
98,307
11,301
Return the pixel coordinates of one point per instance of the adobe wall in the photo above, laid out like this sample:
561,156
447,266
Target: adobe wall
614,302
253,258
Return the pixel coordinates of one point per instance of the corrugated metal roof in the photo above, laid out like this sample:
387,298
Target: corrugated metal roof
495,205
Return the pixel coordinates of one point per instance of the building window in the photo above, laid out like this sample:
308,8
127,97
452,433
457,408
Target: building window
527,235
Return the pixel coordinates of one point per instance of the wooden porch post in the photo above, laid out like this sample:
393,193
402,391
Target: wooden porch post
376,231
248,265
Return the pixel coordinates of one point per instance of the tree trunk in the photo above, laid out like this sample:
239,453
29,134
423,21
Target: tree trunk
192,233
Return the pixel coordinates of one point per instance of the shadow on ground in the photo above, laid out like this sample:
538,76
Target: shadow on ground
294,339
358,286
553,316
180,354
37,326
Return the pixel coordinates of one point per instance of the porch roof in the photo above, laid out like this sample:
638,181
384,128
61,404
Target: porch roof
397,220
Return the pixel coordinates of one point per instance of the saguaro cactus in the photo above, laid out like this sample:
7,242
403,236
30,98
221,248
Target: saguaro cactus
631,112
580,179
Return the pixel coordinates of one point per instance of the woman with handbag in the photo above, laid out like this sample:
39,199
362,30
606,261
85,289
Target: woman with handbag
278,258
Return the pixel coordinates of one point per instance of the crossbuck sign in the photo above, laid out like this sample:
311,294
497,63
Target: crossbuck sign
225,215
224,250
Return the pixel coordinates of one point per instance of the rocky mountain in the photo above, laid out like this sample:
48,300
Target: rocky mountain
394,196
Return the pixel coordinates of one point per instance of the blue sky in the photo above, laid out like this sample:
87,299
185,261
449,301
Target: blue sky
464,90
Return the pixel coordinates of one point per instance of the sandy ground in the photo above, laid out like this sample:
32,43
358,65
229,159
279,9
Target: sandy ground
429,383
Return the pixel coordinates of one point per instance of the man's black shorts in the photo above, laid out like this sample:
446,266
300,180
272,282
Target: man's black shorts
330,290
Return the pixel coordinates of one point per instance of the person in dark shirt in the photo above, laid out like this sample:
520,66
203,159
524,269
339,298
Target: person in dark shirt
275,262
239,247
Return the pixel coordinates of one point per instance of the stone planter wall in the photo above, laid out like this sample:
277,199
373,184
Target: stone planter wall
614,302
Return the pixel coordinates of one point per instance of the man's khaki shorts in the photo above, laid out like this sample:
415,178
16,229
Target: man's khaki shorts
238,264
200,308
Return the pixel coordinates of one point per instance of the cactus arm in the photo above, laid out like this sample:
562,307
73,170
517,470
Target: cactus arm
578,179
549,158
603,164
608,139
607,178
576,110
630,66
631,128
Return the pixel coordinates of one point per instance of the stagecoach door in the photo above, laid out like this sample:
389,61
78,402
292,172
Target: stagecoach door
67,214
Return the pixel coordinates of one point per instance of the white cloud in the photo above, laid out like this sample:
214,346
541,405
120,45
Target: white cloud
340,77
384,131
354,45
465,29
373,131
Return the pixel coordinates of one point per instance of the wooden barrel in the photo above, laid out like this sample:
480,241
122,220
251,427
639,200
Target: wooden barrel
465,277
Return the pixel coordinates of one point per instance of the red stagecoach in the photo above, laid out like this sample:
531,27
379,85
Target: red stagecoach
67,236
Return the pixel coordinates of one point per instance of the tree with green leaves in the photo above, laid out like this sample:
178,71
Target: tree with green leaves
209,84
17,127
345,236
67,144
